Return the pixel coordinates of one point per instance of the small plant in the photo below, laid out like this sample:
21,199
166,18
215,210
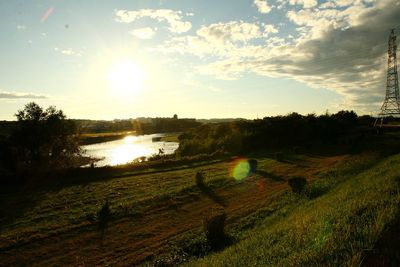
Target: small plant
253,165
214,230
279,156
200,179
297,184
104,216
296,150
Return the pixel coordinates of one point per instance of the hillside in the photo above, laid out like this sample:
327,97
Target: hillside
157,217
338,226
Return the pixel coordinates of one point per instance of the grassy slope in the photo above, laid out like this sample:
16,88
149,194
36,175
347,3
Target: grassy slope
58,225
337,228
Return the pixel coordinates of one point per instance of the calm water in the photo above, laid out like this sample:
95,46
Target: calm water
127,149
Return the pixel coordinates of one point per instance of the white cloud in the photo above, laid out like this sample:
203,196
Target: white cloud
68,52
220,39
269,28
21,27
19,95
344,3
143,33
339,49
262,6
232,31
305,3
172,17
327,5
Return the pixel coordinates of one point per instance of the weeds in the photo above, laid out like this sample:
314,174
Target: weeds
297,184
253,165
104,216
279,156
200,179
214,225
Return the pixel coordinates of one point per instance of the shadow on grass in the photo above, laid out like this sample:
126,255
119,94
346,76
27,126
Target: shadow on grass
386,251
14,203
212,195
269,175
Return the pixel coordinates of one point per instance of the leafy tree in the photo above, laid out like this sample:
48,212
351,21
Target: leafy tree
44,135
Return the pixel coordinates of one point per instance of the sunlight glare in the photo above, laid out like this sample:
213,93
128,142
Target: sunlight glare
125,78
129,139
127,153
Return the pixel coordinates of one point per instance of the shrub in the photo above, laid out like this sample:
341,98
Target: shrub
200,179
214,230
104,216
297,184
279,156
319,187
296,150
253,165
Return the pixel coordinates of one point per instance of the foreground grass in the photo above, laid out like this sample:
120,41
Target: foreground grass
341,215
336,227
57,224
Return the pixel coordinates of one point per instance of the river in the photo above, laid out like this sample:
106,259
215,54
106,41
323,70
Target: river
128,149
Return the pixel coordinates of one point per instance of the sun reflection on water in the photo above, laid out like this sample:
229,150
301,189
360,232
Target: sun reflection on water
128,151
129,139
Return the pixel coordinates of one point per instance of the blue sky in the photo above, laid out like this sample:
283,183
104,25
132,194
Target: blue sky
203,59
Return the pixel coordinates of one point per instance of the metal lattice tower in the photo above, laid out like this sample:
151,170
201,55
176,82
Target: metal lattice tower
391,104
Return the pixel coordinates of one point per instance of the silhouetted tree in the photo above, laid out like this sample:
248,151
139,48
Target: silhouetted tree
44,135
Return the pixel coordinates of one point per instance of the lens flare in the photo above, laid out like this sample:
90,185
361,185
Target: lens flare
240,169
47,14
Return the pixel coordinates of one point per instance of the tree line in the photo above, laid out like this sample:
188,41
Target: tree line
274,133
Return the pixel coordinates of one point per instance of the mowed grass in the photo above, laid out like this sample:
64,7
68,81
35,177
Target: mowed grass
58,225
337,227
40,222
57,208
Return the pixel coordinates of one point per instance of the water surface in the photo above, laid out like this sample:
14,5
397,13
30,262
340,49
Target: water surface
128,149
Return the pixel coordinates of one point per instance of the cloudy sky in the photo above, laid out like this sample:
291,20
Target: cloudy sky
203,59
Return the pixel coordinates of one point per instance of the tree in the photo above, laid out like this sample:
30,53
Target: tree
44,135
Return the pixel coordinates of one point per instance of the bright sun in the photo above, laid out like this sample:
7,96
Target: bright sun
125,78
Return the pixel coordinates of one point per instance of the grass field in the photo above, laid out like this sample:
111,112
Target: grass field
338,227
350,201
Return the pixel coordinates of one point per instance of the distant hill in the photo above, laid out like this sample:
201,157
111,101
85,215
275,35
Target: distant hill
219,120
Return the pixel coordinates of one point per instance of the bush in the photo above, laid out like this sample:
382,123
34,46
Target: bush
200,179
297,184
214,230
104,216
279,156
253,165
297,150
319,187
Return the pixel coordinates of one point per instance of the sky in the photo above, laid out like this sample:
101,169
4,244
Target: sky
122,59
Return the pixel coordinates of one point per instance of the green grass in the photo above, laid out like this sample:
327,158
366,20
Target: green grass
336,228
173,137
56,209
339,216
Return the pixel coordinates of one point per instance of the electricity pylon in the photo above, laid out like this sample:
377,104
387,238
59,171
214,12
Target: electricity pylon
391,104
